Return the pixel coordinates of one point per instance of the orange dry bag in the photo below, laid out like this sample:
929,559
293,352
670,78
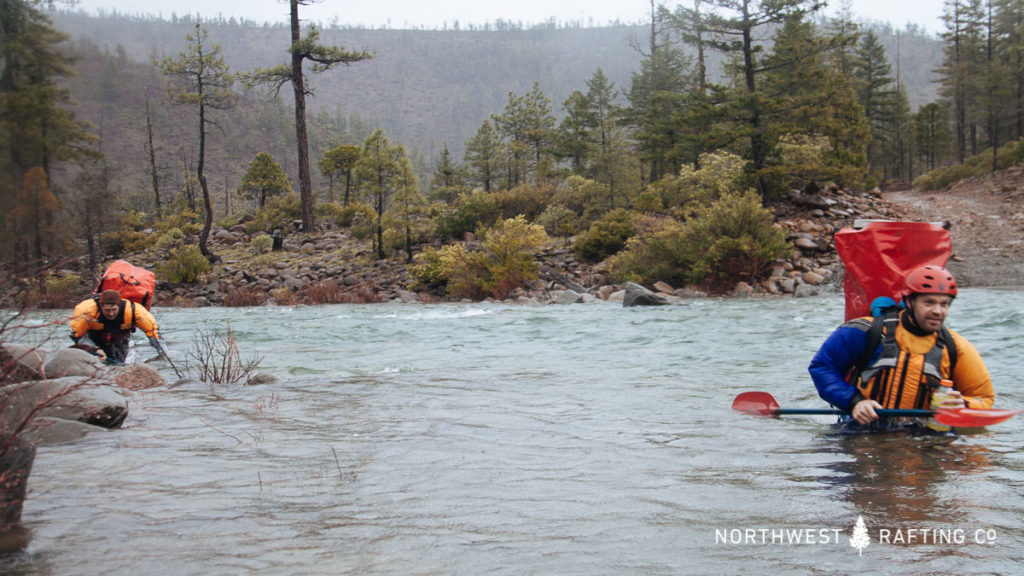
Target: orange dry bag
134,283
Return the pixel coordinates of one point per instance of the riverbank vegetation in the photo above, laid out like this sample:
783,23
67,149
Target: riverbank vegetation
674,174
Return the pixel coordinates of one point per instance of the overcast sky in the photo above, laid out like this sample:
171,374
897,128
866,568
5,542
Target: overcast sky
437,13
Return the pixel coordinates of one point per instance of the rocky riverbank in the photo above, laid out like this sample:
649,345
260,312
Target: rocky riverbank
333,266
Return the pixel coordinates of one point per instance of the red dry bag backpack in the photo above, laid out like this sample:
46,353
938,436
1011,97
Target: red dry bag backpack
134,283
880,254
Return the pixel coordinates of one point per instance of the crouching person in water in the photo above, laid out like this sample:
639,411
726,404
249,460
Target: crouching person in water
109,321
899,359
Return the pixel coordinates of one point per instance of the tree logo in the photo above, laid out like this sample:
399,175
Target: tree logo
860,539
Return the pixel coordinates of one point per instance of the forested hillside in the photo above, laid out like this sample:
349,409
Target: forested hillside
661,150
424,88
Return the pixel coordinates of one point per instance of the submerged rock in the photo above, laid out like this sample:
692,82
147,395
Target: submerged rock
637,295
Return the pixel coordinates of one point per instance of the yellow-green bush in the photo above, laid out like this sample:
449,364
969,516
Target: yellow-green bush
505,263
185,264
187,221
52,291
261,244
511,246
719,173
169,240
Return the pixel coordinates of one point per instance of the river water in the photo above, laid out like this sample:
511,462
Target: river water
497,439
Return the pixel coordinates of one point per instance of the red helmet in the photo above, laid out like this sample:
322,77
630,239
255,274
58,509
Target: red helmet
929,280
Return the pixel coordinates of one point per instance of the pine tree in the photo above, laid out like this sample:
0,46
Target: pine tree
449,178
932,137
483,156
264,178
527,128
736,25
964,56
324,58
380,173
36,128
657,104
36,207
876,93
340,161
1010,31
807,103
201,79
409,206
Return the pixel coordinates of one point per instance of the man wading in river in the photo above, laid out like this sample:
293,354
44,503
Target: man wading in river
899,360
109,321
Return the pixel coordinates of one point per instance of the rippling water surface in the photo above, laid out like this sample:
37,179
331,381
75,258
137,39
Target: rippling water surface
485,438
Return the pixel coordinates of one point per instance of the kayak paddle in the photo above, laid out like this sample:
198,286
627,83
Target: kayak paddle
764,404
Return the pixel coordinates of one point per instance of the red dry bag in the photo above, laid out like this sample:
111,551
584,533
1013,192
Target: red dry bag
134,283
880,254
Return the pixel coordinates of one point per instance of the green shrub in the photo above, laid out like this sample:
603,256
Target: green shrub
169,240
733,239
453,269
261,244
605,236
582,196
505,263
1007,156
186,221
558,220
278,212
943,177
344,215
427,270
528,200
470,213
185,264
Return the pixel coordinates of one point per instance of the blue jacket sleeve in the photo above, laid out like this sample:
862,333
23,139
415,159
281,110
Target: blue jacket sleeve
833,361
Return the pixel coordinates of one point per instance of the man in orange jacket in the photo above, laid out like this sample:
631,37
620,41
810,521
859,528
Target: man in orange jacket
109,321
915,352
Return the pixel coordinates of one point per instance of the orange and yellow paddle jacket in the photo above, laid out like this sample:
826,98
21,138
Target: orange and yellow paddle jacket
905,380
87,317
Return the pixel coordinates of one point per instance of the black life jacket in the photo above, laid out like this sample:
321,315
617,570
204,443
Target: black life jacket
872,378
112,331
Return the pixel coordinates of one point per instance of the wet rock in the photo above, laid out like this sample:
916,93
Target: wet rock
47,430
16,463
26,363
805,290
261,378
567,297
663,287
743,289
71,398
72,362
138,377
637,295
813,278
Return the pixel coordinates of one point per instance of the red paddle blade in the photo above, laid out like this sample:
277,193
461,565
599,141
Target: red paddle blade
973,417
756,403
